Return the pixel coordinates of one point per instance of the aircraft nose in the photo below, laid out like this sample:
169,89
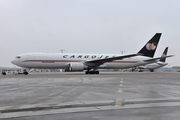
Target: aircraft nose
13,61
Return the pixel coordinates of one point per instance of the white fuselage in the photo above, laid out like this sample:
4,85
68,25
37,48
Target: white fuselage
61,60
153,66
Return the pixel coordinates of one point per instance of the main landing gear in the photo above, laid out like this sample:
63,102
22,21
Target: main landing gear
25,72
92,72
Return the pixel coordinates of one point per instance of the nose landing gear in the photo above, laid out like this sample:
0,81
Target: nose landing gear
26,73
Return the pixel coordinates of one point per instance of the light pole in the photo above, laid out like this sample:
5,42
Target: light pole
122,52
62,50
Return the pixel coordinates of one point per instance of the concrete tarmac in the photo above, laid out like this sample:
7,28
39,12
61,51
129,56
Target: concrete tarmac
74,95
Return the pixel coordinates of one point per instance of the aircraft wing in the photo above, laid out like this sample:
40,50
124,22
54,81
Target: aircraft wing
98,62
158,58
162,63
142,67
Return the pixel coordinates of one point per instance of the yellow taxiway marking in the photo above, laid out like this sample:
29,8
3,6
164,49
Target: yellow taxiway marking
121,85
120,90
118,102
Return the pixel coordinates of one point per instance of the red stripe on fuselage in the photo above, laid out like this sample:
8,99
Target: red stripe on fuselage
53,61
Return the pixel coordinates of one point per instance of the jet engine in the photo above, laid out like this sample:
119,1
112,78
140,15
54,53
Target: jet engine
75,67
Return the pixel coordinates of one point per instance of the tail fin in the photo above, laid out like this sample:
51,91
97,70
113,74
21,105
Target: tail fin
164,54
150,48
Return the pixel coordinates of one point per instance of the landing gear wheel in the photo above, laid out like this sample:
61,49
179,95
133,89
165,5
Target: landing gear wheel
151,70
91,72
87,72
26,73
97,72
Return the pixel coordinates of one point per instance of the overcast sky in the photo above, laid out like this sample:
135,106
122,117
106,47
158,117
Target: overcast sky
87,26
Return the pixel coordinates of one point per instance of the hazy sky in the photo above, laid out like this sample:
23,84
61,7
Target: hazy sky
87,26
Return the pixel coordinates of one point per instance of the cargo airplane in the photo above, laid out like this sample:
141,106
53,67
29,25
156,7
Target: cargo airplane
89,62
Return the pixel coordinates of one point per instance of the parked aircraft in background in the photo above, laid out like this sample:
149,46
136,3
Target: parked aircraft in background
89,62
156,65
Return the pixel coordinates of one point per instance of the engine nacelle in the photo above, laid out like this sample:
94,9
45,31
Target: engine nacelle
75,67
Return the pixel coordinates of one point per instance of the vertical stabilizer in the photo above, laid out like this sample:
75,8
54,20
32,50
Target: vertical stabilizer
164,54
150,47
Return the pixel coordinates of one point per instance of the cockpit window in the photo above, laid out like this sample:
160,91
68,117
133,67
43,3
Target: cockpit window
18,57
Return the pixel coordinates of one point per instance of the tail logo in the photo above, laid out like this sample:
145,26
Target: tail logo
163,55
151,46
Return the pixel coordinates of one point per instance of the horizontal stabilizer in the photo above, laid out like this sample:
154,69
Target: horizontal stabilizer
158,58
